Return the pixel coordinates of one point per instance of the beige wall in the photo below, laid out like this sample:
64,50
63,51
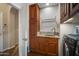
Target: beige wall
13,27
11,33
4,8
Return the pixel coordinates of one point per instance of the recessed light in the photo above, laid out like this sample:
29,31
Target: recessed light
47,4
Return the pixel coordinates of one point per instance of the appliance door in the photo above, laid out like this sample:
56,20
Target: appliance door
77,49
65,50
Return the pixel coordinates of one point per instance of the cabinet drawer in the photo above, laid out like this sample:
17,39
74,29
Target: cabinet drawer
52,40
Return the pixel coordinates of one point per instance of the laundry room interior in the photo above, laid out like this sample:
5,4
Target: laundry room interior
39,29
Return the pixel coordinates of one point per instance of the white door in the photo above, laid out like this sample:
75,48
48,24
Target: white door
24,45
1,31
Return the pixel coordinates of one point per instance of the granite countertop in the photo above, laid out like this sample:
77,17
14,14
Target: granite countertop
50,36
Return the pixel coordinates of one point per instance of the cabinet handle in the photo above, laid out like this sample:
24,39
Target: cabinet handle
25,39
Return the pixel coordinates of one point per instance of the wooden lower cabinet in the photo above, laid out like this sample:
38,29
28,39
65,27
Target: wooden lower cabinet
48,46
34,45
52,46
45,45
42,45
52,49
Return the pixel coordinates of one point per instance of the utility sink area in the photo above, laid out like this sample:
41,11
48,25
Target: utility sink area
41,34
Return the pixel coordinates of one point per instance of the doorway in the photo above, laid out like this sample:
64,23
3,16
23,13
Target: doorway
9,30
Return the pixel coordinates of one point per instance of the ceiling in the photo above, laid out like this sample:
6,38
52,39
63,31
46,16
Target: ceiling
18,5
43,5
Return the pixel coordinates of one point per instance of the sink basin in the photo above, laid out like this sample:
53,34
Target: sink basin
47,33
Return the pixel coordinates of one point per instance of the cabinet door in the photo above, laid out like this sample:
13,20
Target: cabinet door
33,34
64,12
53,46
37,43
33,17
33,27
34,11
32,42
43,45
74,8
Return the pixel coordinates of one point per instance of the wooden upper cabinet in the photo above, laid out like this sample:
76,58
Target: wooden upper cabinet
34,11
64,12
33,20
68,10
74,8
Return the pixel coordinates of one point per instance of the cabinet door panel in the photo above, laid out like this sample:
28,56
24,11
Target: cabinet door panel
32,42
33,17
52,48
43,45
33,28
74,8
64,12
33,20
37,43
32,10
48,46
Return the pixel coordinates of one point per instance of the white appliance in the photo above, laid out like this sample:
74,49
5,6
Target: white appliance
77,29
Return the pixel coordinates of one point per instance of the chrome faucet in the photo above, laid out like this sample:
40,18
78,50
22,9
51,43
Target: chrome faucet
53,30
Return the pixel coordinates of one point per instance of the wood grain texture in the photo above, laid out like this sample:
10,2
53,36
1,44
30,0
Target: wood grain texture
40,45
